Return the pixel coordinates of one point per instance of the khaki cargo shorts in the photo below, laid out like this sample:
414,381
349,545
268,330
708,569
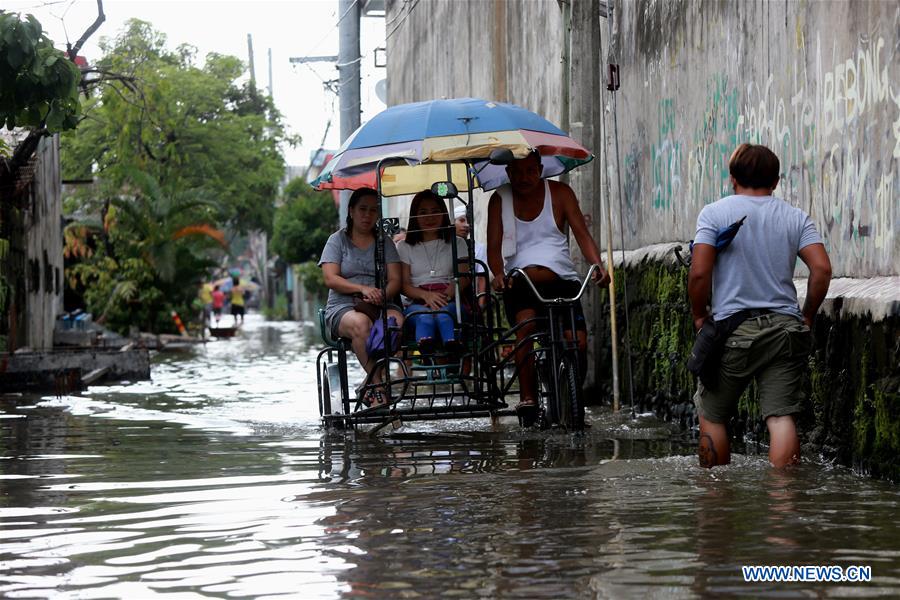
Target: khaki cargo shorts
773,349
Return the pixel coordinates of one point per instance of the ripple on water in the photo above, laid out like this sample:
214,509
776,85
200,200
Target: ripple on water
213,479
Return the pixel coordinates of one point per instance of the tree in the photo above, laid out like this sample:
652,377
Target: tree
153,245
303,223
188,126
38,86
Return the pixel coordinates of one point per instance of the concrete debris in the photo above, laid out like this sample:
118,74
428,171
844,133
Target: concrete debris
65,371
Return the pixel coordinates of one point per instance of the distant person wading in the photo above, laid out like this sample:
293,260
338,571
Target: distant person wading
237,301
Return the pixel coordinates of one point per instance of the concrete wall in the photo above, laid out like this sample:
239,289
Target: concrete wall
815,81
44,248
509,51
490,49
31,265
818,82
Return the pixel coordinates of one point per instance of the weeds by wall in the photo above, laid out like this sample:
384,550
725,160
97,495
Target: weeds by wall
852,415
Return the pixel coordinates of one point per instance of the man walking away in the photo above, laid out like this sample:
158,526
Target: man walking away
752,288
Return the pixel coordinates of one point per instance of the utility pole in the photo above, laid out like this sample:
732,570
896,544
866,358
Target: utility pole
271,91
250,54
259,242
348,78
348,66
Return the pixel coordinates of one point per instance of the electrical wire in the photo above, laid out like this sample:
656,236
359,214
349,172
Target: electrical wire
406,4
409,12
335,26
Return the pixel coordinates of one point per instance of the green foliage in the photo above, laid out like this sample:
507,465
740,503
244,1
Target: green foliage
121,293
183,152
188,126
40,85
152,248
303,223
279,312
4,293
311,276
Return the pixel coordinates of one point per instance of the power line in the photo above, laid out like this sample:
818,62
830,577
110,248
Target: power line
412,7
399,14
335,26
328,85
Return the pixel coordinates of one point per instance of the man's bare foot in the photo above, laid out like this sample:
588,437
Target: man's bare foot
527,411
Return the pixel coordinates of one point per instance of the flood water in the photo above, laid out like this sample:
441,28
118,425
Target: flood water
215,480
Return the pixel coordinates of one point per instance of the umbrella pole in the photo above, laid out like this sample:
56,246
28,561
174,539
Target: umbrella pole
382,281
473,281
455,256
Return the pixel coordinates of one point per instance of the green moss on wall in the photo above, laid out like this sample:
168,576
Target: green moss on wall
885,456
853,412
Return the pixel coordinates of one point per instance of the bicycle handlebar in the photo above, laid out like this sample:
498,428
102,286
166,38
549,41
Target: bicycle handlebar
518,271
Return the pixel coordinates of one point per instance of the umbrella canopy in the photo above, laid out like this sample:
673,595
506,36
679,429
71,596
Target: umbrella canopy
428,135
226,283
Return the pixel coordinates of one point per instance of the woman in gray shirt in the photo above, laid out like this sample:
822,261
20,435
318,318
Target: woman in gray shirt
348,266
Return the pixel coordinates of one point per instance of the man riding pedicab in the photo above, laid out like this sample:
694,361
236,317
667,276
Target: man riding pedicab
526,220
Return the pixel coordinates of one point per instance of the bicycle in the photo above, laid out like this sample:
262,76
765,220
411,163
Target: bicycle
560,398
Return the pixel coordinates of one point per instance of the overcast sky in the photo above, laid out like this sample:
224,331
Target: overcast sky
288,27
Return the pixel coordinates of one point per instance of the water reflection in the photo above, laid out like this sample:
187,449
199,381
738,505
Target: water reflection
213,479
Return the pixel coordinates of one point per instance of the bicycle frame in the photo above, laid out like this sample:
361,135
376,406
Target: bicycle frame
556,343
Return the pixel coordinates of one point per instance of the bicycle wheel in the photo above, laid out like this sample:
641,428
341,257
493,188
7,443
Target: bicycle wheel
324,392
570,403
544,383
325,406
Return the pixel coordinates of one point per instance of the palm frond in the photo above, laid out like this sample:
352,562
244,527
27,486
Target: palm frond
124,290
202,229
75,242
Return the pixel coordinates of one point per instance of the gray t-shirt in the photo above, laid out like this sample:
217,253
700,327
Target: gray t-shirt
757,269
357,266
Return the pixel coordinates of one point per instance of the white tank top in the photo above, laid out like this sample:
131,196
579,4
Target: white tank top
541,243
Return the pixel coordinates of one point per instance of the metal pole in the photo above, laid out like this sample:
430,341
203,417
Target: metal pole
348,76
250,55
271,90
566,9
612,8
613,321
470,244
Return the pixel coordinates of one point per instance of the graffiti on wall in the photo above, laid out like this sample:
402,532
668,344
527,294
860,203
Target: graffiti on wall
836,131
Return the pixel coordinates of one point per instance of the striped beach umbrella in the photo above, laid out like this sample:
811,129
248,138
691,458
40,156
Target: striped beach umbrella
435,138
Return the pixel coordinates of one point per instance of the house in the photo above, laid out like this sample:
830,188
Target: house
31,249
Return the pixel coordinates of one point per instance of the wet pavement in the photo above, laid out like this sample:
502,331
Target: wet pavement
215,480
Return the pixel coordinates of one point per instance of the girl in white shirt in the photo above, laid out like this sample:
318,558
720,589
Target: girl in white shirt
426,257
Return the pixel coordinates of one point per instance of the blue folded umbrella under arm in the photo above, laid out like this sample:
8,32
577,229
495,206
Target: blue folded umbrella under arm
724,237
